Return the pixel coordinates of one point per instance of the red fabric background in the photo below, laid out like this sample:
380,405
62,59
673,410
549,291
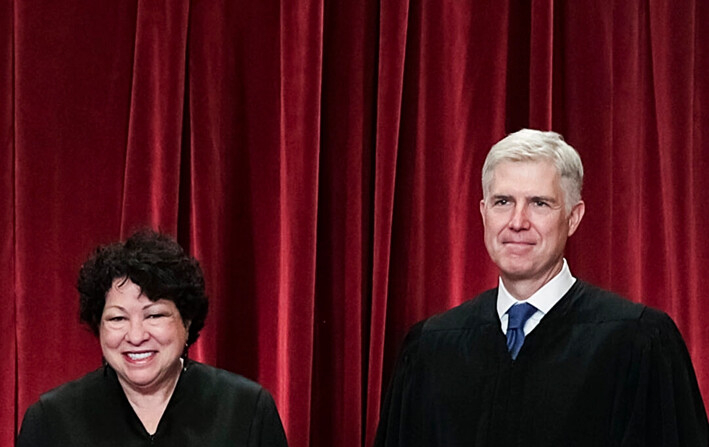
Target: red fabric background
322,159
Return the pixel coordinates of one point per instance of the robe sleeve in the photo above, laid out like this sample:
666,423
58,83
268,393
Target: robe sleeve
34,428
397,416
660,403
267,429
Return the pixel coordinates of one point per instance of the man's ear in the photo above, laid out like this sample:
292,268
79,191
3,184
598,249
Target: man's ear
575,216
482,210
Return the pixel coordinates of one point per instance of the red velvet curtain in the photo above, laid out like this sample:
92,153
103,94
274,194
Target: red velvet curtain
322,159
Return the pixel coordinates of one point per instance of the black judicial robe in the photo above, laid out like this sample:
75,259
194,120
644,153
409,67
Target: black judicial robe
598,370
209,407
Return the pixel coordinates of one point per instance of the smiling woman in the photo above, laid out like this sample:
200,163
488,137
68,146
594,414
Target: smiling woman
141,339
145,301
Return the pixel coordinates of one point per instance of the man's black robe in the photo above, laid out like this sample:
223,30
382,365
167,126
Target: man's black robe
209,407
598,370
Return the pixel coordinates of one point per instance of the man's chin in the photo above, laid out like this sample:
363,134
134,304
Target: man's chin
516,271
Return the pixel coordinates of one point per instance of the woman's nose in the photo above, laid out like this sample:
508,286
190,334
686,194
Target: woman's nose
137,332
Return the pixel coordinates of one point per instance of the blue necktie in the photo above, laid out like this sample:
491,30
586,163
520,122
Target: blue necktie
518,315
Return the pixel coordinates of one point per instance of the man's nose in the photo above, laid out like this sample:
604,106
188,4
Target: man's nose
519,219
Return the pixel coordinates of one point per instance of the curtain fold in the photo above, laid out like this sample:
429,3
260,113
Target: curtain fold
675,85
541,64
152,166
322,161
391,54
8,342
695,329
343,256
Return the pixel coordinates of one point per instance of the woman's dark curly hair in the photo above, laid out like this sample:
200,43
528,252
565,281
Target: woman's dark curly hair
155,263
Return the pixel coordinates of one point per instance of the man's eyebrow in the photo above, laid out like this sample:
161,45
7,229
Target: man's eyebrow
542,199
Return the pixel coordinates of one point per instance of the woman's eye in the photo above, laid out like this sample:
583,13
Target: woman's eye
153,316
116,318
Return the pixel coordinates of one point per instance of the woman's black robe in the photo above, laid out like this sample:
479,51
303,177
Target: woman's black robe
209,407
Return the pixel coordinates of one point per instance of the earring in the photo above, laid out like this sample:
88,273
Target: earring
185,357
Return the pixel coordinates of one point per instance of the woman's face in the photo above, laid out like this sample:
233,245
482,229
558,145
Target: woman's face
141,339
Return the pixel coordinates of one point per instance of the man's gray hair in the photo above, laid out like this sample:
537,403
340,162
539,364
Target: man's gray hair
536,145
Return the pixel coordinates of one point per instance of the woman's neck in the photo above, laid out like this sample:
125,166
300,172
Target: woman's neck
150,402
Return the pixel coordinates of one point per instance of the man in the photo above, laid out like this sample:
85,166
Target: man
544,359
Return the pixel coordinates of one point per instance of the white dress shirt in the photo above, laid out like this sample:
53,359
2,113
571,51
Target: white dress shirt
543,299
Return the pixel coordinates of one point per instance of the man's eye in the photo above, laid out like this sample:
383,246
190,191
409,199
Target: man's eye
541,203
501,202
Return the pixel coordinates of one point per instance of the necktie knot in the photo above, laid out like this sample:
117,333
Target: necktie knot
517,316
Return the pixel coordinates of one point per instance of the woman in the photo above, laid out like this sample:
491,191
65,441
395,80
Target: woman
145,301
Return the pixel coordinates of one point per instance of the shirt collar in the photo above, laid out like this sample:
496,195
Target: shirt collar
543,299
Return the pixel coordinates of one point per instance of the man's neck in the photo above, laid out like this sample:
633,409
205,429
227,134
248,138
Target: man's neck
521,289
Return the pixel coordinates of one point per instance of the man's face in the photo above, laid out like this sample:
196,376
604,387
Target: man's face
525,220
